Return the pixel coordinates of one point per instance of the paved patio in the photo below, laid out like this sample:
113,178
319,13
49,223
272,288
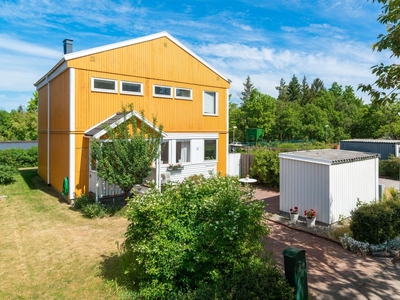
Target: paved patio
333,273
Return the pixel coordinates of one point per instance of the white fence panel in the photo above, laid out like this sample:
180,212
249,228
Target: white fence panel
234,163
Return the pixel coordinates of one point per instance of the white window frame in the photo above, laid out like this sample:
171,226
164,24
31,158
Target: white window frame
216,150
169,147
129,92
161,95
188,154
215,103
114,91
182,97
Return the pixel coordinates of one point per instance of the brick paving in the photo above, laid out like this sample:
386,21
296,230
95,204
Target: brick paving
332,272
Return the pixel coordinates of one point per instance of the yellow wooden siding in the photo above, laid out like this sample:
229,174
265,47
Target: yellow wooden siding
81,165
42,155
59,103
59,159
42,104
42,133
222,153
175,114
159,58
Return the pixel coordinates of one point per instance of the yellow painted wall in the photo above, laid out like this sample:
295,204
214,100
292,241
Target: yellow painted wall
159,62
59,103
81,165
42,133
59,160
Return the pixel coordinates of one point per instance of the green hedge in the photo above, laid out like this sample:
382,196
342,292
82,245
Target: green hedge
7,174
19,158
390,167
265,167
376,223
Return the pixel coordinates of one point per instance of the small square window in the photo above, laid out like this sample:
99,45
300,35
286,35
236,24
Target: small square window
162,91
133,88
181,93
210,150
210,102
104,85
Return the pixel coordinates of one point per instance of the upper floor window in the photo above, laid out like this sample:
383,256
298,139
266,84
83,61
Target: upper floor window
132,88
181,93
162,91
210,100
210,150
104,85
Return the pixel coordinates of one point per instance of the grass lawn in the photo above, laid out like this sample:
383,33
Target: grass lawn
49,251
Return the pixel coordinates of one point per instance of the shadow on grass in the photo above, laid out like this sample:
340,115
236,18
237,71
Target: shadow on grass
112,271
34,182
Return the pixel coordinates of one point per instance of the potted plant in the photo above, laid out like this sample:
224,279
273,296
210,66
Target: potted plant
294,214
311,216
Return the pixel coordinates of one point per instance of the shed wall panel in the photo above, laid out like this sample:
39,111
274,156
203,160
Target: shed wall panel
305,185
352,181
384,149
42,155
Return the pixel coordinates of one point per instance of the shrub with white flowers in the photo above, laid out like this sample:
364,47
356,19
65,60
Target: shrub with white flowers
200,239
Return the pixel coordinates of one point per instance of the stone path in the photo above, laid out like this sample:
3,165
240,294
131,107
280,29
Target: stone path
333,273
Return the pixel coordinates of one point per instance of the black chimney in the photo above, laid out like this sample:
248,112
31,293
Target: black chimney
67,46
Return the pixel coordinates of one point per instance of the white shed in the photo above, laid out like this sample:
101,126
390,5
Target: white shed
329,181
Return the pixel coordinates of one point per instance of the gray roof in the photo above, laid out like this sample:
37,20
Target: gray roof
101,126
329,156
378,141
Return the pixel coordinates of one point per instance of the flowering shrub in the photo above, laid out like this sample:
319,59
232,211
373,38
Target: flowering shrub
200,239
294,210
310,213
366,248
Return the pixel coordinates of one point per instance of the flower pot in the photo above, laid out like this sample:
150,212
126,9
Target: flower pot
294,218
310,222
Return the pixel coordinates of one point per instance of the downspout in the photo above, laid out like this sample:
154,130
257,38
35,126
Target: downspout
227,135
72,147
48,130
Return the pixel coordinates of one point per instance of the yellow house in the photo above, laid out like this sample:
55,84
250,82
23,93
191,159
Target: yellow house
155,73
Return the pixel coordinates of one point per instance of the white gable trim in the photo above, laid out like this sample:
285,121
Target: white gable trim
120,121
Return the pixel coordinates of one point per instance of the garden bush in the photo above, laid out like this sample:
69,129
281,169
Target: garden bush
390,167
87,206
19,158
266,167
202,239
7,174
375,223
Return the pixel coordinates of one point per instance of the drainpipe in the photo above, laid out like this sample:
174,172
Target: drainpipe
48,130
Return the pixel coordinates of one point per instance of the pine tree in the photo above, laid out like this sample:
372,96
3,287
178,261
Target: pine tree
248,88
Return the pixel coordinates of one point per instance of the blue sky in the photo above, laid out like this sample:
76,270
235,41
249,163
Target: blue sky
267,40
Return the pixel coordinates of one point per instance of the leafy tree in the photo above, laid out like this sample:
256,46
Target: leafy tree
259,111
248,88
125,158
385,88
288,122
33,102
236,119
